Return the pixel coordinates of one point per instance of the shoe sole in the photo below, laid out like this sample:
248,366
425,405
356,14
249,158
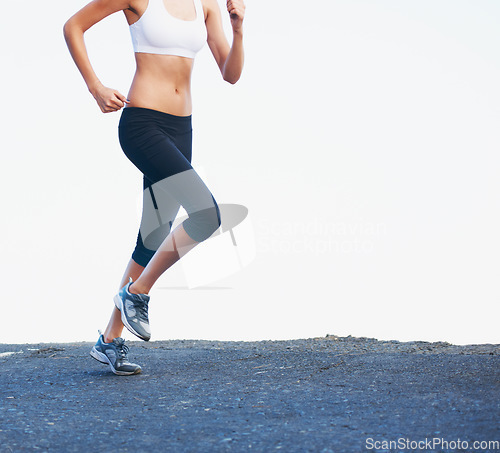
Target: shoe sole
103,358
119,304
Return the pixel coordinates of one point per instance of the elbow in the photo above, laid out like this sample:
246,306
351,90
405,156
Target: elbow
231,78
67,28
70,27
231,70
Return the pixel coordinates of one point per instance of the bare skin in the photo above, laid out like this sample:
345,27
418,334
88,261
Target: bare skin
161,82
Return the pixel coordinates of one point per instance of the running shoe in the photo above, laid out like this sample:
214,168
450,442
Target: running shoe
114,354
134,309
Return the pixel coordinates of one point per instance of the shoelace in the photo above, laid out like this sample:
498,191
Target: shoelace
141,307
122,349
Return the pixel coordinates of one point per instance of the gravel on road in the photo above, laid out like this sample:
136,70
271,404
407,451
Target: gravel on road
328,394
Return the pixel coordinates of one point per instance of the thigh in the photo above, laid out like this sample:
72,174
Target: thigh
158,144
155,155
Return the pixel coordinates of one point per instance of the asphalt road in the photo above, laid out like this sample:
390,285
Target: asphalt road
333,394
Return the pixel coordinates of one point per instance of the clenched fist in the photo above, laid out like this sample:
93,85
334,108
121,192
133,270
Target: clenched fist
108,100
236,9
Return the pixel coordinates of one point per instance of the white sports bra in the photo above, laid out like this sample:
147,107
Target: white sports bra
158,32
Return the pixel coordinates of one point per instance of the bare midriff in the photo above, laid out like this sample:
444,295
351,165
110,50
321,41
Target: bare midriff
162,82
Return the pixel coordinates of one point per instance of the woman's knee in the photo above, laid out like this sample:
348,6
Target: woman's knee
146,248
200,225
142,256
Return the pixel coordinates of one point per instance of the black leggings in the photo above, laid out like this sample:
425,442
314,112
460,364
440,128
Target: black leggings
160,145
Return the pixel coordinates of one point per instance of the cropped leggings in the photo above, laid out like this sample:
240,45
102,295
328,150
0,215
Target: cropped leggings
160,146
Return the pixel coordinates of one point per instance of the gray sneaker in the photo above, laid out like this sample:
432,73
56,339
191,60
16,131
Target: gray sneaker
114,354
134,309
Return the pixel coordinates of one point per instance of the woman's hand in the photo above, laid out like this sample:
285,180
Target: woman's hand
236,9
109,100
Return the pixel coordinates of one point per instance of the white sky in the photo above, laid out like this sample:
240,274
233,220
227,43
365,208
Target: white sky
363,138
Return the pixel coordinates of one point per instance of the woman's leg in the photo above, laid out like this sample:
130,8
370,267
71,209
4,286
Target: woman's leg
159,145
165,158
176,245
163,258
188,189
158,215
115,325
161,212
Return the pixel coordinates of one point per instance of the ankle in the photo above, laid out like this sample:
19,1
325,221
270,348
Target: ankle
136,289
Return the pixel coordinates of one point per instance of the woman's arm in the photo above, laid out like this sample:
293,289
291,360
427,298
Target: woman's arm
109,100
229,60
